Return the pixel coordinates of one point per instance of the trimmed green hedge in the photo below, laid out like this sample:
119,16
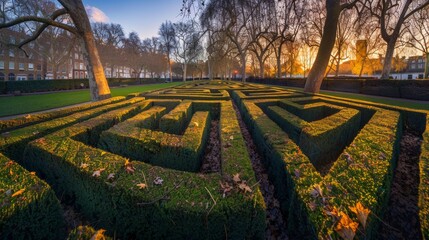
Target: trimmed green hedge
175,121
30,86
185,93
295,177
7,125
424,183
13,143
28,206
186,205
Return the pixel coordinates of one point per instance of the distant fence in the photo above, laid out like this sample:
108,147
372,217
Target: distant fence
30,86
408,89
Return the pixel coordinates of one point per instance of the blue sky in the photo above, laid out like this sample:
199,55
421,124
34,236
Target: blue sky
142,16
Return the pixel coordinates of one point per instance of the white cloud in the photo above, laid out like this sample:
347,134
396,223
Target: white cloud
96,15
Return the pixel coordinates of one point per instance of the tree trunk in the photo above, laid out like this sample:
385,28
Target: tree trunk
261,67
209,68
278,58
317,72
427,66
387,65
169,68
185,66
243,66
54,71
99,88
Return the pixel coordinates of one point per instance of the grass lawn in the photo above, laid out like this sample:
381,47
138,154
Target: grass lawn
11,105
388,101
420,105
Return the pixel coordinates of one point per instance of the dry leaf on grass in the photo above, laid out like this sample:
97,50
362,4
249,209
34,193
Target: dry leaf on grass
19,192
361,213
236,178
99,235
98,172
158,181
346,227
243,186
141,185
111,176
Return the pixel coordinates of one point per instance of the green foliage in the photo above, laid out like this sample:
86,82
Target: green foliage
13,143
87,233
108,188
28,206
7,125
348,182
424,184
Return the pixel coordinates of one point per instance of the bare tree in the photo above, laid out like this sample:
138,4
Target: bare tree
392,15
287,25
168,42
133,51
333,10
368,43
99,89
234,18
417,35
109,39
188,46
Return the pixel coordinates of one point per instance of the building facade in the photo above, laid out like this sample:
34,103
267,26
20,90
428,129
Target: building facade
39,59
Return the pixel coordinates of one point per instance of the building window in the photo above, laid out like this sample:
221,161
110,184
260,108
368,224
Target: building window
76,56
30,76
21,66
410,77
11,77
420,76
30,66
39,77
421,66
1,64
39,67
413,66
11,53
1,76
1,52
11,65
21,78
420,60
81,66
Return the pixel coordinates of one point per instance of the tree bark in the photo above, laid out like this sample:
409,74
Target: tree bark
390,50
99,88
427,66
317,72
185,66
243,66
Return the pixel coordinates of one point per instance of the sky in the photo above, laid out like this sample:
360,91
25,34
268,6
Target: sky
141,16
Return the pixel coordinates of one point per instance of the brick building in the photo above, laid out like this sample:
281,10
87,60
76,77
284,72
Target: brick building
39,63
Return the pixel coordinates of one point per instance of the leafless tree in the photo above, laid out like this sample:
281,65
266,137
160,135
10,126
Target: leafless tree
392,15
168,42
133,51
188,43
81,27
109,39
417,35
333,9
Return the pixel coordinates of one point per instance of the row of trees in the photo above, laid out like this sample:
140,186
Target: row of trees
236,31
258,30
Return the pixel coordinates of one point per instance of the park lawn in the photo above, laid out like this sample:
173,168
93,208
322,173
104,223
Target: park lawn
419,105
11,105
